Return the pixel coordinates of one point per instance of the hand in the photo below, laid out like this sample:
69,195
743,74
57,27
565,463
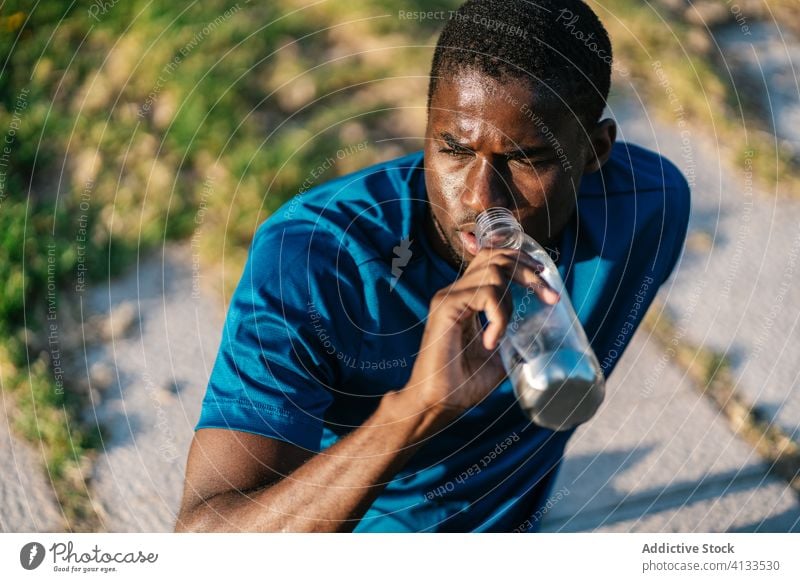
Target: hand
456,368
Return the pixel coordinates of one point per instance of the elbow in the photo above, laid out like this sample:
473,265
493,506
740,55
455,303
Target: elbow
224,513
193,521
200,514
185,525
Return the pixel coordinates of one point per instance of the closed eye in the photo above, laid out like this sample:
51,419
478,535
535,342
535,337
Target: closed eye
456,152
452,148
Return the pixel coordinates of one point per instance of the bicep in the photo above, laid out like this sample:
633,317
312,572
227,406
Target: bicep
223,461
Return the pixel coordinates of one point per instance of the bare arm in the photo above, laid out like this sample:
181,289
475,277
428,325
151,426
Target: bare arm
238,481
243,482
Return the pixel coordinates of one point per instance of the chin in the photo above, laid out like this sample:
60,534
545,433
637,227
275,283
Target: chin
459,255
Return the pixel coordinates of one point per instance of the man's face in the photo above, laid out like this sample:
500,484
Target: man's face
495,144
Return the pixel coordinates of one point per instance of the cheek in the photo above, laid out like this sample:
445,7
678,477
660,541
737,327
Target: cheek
448,184
561,197
540,188
451,187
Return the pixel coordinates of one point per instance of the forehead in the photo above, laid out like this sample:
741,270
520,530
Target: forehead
476,105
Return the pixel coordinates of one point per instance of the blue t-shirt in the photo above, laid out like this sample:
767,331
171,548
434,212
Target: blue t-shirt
332,304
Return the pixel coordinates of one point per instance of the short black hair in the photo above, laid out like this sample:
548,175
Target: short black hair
558,45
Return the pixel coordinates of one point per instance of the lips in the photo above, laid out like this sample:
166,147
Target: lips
469,241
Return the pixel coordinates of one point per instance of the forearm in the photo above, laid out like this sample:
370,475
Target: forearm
333,489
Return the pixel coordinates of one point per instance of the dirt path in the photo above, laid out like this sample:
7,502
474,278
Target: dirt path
736,288
160,369
27,501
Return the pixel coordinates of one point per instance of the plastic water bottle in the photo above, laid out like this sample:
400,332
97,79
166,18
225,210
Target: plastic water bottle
556,376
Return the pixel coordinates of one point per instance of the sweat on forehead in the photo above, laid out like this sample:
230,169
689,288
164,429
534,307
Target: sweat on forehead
471,93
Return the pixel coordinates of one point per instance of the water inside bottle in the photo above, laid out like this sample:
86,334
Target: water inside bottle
554,380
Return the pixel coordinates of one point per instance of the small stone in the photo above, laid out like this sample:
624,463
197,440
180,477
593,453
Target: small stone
101,375
166,393
698,41
699,241
707,13
95,397
352,132
120,321
677,6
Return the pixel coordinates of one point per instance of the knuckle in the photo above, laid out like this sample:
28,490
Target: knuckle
516,258
501,299
493,291
505,261
497,272
439,297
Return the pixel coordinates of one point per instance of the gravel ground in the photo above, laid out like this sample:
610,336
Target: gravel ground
27,501
736,289
160,368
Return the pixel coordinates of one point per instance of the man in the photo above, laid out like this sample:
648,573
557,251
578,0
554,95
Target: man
355,388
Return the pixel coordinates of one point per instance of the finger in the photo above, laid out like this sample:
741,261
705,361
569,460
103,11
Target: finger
545,292
488,255
536,283
462,304
521,257
531,277
504,269
499,270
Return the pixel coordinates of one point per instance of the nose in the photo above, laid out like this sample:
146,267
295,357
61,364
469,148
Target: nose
485,187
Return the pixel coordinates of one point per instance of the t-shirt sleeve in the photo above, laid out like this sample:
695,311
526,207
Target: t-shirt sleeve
290,321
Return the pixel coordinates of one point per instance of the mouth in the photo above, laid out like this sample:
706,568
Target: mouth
469,242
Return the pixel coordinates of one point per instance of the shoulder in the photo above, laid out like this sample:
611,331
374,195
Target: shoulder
631,226
640,178
359,213
638,200
318,241
634,211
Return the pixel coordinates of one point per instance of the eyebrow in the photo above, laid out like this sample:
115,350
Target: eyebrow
530,152
519,152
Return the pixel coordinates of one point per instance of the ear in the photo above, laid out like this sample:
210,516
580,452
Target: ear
601,141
